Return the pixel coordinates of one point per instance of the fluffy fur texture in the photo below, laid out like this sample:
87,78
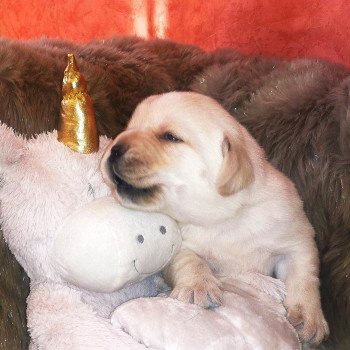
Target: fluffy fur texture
120,73
299,113
237,213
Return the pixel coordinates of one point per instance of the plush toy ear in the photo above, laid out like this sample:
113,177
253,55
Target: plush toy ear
236,171
11,146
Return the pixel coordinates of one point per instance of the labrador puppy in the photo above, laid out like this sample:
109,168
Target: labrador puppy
184,155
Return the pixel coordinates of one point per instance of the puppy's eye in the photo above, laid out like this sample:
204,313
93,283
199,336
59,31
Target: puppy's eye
162,230
168,136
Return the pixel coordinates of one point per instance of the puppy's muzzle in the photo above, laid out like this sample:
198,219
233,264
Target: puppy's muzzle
121,172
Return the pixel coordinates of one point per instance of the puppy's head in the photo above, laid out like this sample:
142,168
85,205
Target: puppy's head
183,155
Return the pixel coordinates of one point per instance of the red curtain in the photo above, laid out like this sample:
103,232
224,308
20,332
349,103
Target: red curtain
291,28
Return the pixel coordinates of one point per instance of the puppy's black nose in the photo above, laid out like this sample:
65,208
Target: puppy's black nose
117,152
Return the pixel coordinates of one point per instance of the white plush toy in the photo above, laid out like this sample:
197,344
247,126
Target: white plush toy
89,259
103,246
84,253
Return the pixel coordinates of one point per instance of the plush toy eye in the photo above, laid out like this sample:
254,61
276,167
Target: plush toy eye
140,239
168,136
162,230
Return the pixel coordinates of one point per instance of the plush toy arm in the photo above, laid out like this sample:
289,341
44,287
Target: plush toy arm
251,317
59,320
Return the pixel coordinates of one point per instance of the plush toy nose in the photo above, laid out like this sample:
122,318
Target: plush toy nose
117,152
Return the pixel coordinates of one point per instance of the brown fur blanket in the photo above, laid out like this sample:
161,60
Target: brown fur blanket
121,72
297,110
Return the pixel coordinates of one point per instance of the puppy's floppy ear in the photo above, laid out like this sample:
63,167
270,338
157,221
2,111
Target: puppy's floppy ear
236,171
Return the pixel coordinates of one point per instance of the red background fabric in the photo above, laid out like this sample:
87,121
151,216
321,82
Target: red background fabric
290,28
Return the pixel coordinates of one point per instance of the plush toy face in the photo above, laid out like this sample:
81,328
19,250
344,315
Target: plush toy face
103,246
43,182
45,187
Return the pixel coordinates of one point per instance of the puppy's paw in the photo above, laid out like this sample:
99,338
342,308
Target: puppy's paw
205,293
309,322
